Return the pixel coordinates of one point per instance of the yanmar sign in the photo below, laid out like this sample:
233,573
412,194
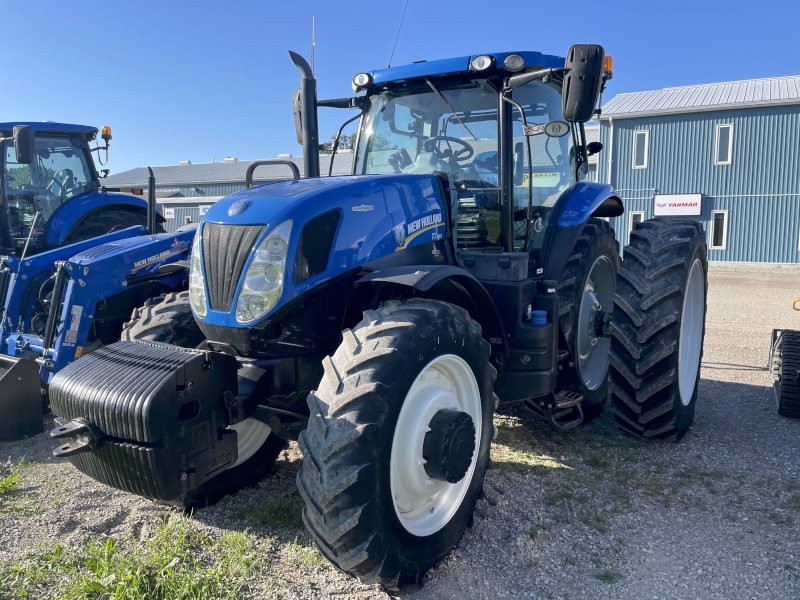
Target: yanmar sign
670,205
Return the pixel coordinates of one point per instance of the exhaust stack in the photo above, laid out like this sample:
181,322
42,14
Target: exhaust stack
305,103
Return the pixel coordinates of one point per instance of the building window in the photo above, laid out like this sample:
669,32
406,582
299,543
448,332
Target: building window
641,148
634,217
719,229
724,144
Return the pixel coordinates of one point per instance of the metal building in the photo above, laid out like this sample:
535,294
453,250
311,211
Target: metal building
186,190
727,154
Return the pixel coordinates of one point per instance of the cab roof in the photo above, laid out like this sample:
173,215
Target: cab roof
454,66
86,131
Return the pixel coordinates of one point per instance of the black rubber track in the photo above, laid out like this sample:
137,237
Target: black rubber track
169,319
347,446
597,239
786,363
104,222
645,354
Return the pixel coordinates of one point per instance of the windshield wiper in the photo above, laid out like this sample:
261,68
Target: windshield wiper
452,110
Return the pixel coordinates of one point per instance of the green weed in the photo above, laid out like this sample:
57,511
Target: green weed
285,512
609,576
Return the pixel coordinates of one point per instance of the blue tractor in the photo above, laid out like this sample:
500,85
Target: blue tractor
380,318
50,191
75,260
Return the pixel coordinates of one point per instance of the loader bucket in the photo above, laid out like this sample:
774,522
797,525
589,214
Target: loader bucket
21,413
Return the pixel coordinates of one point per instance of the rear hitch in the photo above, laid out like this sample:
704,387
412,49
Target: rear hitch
90,437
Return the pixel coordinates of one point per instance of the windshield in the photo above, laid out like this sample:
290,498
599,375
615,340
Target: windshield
454,129
59,172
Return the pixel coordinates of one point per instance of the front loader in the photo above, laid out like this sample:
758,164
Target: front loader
61,304
380,318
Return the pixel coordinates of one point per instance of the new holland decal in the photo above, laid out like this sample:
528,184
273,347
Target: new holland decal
404,234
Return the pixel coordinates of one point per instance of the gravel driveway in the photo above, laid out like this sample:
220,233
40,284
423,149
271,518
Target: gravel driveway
591,514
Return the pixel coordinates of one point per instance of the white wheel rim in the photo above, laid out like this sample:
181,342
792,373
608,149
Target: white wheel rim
597,296
250,435
691,337
423,505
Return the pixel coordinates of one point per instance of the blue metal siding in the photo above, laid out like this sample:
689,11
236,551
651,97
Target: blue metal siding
760,189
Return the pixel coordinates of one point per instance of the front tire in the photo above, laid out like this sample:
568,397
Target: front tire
658,328
372,504
168,319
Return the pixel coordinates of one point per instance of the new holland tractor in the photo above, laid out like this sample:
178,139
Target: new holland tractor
75,259
380,318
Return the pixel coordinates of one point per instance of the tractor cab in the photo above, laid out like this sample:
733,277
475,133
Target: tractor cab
44,169
494,125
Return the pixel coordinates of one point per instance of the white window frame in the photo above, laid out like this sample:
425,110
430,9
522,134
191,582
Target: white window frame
630,221
724,245
730,145
646,133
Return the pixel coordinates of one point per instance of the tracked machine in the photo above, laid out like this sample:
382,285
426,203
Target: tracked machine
380,318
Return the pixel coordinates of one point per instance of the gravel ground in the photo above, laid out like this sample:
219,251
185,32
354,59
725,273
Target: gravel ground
591,514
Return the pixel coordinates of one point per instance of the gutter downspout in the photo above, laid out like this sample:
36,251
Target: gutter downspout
610,147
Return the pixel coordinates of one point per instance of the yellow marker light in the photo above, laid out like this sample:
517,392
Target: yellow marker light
106,133
608,65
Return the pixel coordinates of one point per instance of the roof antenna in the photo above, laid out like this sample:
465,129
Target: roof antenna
398,34
313,44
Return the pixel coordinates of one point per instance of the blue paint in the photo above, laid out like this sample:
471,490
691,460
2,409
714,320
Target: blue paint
454,66
583,200
380,214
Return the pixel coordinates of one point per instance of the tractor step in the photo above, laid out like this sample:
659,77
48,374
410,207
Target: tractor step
562,409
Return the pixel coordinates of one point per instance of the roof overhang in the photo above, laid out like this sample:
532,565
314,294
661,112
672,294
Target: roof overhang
698,109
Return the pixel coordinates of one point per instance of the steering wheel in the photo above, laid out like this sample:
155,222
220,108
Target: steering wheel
464,153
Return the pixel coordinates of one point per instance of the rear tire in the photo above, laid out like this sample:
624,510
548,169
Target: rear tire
363,481
596,243
105,222
168,319
658,328
785,364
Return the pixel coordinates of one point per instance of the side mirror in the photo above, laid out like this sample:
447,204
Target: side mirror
594,147
297,109
24,143
582,82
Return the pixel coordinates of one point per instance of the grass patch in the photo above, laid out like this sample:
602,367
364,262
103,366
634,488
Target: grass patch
304,555
558,497
609,576
561,520
731,518
597,463
533,532
792,502
9,484
596,521
283,512
176,562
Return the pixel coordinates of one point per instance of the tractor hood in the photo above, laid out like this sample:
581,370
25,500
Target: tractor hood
338,224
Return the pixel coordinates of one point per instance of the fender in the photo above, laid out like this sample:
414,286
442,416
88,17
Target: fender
573,210
68,214
450,284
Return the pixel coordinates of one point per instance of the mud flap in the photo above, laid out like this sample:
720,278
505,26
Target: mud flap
21,412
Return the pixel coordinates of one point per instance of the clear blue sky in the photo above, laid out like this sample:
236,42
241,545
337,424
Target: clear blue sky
196,80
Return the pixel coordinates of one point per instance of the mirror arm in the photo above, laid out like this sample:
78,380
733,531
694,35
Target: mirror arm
354,102
523,78
336,141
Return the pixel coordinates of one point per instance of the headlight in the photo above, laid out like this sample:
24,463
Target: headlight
481,63
263,282
361,81
513,62
197,292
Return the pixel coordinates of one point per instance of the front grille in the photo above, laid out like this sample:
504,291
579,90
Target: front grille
226,249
